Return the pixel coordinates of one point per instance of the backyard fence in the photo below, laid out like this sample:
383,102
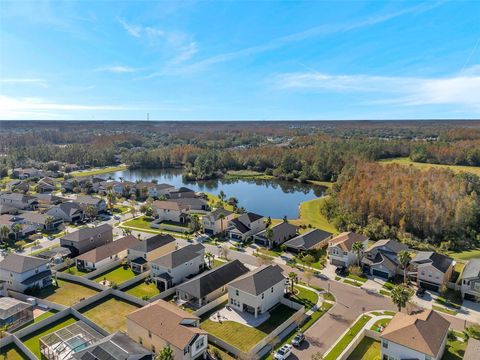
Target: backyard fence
81,280
103,269
164,294
42,302
375,335
134,280
211,305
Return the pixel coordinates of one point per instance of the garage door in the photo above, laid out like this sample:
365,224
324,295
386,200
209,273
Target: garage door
470,297
337,262
428,286
381,274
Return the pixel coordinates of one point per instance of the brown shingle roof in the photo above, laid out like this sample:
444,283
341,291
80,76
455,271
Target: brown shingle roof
110,249
345,240
165,321
168,205
422,332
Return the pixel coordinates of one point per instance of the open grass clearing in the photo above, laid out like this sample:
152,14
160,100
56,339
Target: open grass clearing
141,222
117,275
241,336
66,293
310,214
464,255
425,166
247,174
142,290
382,323
444,310
98,171
109,313
32,341
368,349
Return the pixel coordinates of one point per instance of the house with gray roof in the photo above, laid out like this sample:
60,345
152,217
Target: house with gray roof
216,221
22,272
245,226
151,248
380,259
70,212
175,267
470,280
257,291
430,270
19,201
86,201
209,285
87,238
280,233
312,239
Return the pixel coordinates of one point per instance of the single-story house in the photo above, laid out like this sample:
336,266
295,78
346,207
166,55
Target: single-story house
380,259
210,285
18,185
420,336
281,232
430,270
312,239
46,184
151,248
182,192
106,254
340,251
39,221
19,201
86,201
22,272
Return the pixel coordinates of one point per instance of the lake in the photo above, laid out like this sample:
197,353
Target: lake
266,197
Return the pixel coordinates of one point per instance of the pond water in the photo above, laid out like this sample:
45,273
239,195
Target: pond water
266,197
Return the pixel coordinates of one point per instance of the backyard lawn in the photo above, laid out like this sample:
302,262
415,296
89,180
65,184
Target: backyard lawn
241,336
368,349
32,341
67,293
117,275
72,270
12,352
142,289
109,313
465,255
454,350
142,222
39,318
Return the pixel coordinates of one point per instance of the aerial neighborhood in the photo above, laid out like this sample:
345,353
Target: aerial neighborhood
136,270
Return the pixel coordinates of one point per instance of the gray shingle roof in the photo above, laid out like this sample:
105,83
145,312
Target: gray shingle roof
86,233
214,215
259,280
472,269
438,261
180,256
308,240
153,243
20,263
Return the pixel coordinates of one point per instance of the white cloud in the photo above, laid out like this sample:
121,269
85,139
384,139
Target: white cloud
38,81
458,89
120,69
134,30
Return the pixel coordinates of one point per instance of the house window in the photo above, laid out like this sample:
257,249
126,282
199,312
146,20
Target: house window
153,348
199,344
263,296
271,290
186,350
140,341
149,335
385,344
237,293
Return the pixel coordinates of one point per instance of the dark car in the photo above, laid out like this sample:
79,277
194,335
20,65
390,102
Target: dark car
421,292
298,339
341,270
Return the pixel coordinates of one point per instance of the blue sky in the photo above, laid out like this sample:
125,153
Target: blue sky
234,60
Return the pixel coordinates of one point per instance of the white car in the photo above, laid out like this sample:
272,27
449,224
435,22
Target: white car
284,352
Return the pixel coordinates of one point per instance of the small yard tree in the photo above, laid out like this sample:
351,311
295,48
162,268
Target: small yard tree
308,276
224,251
401,295
308,260
356,271
293,277
165,354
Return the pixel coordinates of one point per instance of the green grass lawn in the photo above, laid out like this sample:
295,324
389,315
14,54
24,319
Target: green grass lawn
142,222
244,337
306,297
368,349
66,293
142,289
109,313
72,270
444,310
361,279
98,171
465,255
247,174
39,318
213,199
33,340
12,352
217,263
380,323
454,350
347,338
310,214
117,275
457,168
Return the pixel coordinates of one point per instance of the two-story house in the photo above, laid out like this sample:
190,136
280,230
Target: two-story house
421,336
246,225
46,185
280,233
22,272
470,280
257,291
216,221
340,248
430,270
381,260
68,212
87,238
151,248
86,201
19,201
162,324
150,189
170,211
174,267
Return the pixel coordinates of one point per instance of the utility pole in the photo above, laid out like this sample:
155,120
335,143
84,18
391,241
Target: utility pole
148,116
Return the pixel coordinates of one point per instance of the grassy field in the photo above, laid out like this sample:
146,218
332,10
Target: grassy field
456,168
12,352
98,171
142,289
213,199
247,174
465,255
66,293
368,349
32,341
244,337
142,222
117,275
109,313
326,184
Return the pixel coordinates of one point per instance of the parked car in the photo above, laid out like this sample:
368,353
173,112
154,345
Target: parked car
341,270
421,292
50,237
116,217
202,238
283,353
298,339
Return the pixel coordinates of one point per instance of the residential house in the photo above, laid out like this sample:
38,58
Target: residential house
210,285
257,291
120,188
470,280
14,313
106,254
19,201
430,270
216,221
19,231
340,251
472,350
193,204
21,173
281,232
117,346
84,183
181,192
151,248
174,267
311,240
7,209
70,212
46,185
380,259
47,200
420,336
18,186
162,324
86,201
39,221
88,238
170,211
22,272
245,226
153,190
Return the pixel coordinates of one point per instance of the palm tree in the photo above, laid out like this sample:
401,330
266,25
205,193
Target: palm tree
222,195
404,257
358,249
91,211
133,211
111,199
48,222
165,354
401,295
269,236
195,222
17,229
4,330
4,231
293,277
209,256
221,217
